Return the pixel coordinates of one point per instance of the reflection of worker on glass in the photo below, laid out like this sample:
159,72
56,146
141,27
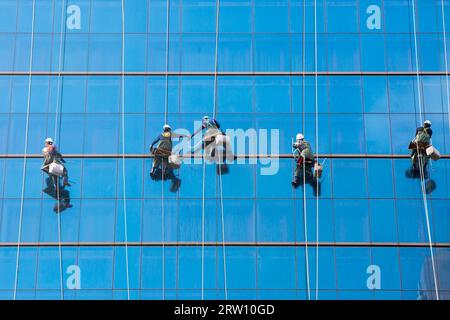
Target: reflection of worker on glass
53,166
215,143
161,148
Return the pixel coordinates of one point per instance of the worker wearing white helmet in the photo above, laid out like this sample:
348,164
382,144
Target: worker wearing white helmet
161,148
421,141
214,139
303,157
51,154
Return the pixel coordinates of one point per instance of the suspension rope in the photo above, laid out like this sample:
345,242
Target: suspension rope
25,151
216,57
203,225
59,105
446,62
124,186
419,156
305,211
166,109
317,147
223,235
305,222
167,61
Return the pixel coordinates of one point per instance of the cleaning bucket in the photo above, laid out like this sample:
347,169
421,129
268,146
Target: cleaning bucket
433,153
174,161
56,169
318,170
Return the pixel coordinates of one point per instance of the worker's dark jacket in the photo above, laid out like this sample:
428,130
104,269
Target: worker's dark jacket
424,135
162,143
303,148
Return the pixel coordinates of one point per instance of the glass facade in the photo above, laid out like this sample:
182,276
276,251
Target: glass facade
381,69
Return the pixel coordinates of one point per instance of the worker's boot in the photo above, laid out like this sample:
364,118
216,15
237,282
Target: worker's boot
66,183
295,182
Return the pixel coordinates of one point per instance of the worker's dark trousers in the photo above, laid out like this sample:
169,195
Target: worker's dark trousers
158,160
298,173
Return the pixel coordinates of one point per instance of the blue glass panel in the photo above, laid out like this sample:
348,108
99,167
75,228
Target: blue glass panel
8,15
134,220
276,268
136,16
235,53
76,52
373,56
8,258
96,266
121,273
432,94
241,268
103,94
428,13
431,59
27,268
101,134
272,94
379,175
377,133
399,53
135,94
441,221
413,263
348,133
106,16
398,16
199,16
48,272
351,264
198,52
97,220
352,220
271,16
412,225
235,16
383,213
103,171
105,52
135,52
235,94
348,90
344,52
272,52
44,16
24,16
349,178
375,94
342,16
6,52
275,221
388,261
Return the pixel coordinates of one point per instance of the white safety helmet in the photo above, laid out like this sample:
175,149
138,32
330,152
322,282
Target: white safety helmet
166,127
49,140
427,123
205,119
299,136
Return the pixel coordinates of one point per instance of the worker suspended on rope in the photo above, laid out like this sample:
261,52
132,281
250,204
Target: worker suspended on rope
304,159
53,166
215,144
161,148
53,162
422,150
